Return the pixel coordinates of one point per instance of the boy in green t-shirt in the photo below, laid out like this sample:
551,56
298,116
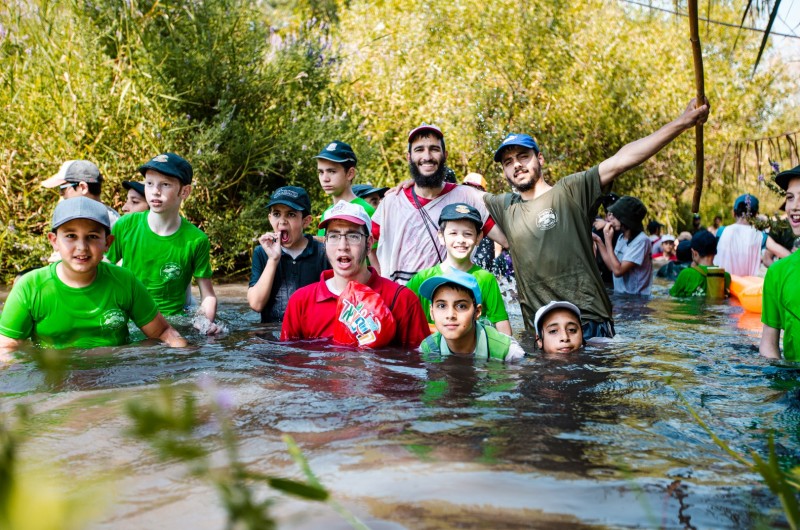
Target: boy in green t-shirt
80,301
693,281
460,232
336,167
781,295
455,308
162,248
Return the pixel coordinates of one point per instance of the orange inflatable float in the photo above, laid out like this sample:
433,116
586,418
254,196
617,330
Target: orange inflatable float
747,289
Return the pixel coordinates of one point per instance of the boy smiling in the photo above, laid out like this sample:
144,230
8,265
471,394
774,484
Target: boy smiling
781,298
460,232
80,301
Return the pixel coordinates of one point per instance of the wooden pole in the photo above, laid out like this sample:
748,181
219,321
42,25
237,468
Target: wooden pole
697,55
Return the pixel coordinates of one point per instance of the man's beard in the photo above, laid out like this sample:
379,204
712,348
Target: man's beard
527,186
434,180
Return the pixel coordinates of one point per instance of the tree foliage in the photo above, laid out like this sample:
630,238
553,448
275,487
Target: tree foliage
249,91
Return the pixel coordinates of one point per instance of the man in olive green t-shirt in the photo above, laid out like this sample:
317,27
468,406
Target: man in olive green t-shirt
548,227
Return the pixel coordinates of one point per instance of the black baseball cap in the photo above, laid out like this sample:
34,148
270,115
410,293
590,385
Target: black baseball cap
133,185
294,197
782,179
338,152
362,190
171,165
458,211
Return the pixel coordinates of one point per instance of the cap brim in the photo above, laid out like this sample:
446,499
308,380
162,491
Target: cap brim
350,218
783,178
54,181
336,159
288,203
164,171
557,305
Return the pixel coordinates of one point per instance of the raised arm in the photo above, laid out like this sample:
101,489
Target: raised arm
634,153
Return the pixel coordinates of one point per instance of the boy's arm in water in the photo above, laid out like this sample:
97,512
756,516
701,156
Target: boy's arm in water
208,303
769,342
159,328
7,345
634,153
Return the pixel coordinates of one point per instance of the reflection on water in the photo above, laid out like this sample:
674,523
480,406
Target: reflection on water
595,440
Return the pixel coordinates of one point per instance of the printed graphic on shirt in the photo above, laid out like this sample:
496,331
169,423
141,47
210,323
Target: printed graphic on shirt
546,219
360,321
171,271
113,319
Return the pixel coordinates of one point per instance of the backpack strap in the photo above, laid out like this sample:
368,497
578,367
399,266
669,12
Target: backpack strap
394,298
700,270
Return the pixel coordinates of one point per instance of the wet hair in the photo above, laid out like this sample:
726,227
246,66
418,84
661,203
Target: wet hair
684,250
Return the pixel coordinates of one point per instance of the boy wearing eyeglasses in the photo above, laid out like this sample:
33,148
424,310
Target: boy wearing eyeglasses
314,310
285,259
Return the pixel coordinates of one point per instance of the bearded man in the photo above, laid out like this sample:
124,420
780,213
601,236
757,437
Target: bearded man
405,223
549,227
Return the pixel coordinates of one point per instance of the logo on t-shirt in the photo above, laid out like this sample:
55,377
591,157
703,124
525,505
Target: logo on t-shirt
170,271
546,219
113,319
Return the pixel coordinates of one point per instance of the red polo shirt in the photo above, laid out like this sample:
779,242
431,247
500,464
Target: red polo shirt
311,312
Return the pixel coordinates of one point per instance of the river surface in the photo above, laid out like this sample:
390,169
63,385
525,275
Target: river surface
602,439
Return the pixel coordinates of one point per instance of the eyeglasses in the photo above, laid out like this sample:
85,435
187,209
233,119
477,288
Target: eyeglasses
353,238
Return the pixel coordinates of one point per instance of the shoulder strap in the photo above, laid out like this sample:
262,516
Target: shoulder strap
394,298
507,200
700,270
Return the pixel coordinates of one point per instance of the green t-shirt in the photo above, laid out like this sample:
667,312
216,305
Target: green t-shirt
551,246
164,264
358,200
691,282
43,308
494,309
781,302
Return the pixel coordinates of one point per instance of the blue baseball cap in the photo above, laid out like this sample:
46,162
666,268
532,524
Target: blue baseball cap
522,140
745,204
294,197
171,165
338,152
466,280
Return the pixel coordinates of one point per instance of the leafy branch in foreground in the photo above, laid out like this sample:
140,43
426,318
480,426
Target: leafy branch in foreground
169,422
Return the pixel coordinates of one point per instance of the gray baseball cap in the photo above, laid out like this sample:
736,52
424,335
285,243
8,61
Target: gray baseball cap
74,171
80,208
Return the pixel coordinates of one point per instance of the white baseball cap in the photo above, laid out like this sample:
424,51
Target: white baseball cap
540,314
347,211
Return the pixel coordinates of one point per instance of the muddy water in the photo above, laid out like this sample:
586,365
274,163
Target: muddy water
602,439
